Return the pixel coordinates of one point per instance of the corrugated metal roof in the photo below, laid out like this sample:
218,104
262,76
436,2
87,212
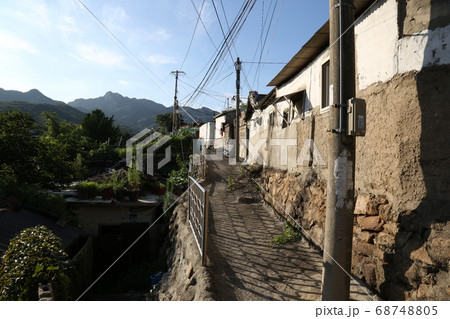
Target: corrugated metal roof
317,44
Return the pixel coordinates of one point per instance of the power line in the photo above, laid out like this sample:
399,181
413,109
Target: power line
193,34
229,39
120,44
204,26
264,62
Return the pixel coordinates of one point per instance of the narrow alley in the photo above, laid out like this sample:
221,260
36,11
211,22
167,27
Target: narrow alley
245,263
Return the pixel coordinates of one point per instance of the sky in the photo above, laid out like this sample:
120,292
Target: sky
71,49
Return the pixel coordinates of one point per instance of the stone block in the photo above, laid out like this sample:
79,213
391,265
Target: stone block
385,242
362,204
369,274
373,223
364,249
385,211
390,228
439,250
378,254
421,255
366,237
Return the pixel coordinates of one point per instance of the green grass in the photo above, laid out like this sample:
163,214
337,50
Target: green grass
288,235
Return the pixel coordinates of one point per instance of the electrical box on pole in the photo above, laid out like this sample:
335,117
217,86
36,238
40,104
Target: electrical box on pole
356,117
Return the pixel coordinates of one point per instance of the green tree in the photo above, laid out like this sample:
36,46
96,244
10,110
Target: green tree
165,121
99,127
42,160
34,256
19,143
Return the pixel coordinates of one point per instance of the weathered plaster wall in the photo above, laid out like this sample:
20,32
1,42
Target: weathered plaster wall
382,53
401,243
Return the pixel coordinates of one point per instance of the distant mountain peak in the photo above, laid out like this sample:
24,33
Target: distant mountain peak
110,94
32,96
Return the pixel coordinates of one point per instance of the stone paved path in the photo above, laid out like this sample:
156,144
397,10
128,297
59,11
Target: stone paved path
246,266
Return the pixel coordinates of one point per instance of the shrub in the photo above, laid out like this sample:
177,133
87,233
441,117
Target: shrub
34,256
104,152
135,178
87,190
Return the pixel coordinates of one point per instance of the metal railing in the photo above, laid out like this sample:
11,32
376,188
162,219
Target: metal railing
198,215
197,166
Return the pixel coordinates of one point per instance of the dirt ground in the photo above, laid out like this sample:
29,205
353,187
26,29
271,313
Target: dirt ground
243,263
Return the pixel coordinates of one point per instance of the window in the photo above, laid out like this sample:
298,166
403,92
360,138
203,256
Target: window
285,119
326,85
271,118
298,101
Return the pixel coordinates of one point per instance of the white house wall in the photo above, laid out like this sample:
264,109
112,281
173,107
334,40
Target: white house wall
207,133
380,54
310,80
218,141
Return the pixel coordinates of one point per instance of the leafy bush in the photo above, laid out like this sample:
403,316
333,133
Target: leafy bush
119,180
34,256
175,184
87,190
135,178
104,152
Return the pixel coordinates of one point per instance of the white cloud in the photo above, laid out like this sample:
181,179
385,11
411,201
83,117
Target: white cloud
159,34
14,43
123,82
114,16
67,25
99,55
161,59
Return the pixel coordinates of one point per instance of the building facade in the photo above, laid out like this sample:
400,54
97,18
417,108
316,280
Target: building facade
402,63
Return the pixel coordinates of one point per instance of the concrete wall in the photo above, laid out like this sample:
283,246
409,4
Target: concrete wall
289,148
90,216
82,272
207,133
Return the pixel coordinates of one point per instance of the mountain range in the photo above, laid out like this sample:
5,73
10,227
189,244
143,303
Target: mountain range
128,112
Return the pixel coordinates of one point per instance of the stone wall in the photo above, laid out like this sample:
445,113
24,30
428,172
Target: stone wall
186,278
401,243
298,197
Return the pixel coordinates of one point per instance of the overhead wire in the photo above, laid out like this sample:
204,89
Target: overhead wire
203,24
122,46
230,37
192,38
263,44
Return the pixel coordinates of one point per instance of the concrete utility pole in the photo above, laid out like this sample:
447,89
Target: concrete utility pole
237,65
175,102
341,157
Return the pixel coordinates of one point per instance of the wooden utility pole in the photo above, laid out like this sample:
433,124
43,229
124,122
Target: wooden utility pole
237,65
175,102
341,156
